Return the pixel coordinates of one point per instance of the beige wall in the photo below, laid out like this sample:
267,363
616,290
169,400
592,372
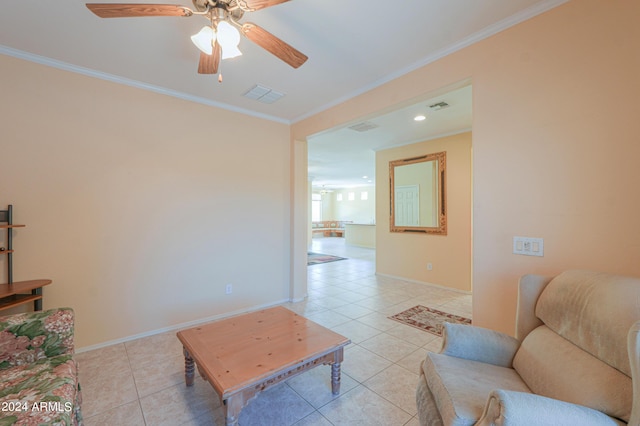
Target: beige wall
406,254
555,146
328,208
131,210
139,206
356,210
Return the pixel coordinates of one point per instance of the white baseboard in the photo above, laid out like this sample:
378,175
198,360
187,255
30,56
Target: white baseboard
179,326
424,283
299,299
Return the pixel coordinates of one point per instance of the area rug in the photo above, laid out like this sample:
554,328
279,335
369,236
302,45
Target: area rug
316,258
428,319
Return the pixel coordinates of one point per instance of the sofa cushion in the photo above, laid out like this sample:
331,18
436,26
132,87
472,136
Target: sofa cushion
554,367
27,337
44,392
461,387
594,311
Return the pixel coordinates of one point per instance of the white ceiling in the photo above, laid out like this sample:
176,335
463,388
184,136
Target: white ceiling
342,157
352,45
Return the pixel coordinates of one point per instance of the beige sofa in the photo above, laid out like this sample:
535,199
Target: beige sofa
575,361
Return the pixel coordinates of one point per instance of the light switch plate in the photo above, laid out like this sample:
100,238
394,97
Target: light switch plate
528,246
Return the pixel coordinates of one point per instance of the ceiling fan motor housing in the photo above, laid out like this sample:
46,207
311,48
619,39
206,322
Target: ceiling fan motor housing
201,5
217,6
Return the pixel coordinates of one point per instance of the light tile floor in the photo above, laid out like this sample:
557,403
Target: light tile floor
125,385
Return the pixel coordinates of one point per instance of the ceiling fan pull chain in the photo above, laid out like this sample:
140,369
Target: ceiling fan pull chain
220,78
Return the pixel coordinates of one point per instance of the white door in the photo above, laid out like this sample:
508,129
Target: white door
407,205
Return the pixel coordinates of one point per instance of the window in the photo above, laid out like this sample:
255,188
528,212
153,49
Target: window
338,197
352,196
316,207
364,195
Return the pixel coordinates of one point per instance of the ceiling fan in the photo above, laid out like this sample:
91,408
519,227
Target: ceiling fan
220,39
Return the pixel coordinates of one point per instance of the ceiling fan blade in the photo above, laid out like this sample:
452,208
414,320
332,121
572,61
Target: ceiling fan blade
253,5
209,63
205,66
126,10
274,45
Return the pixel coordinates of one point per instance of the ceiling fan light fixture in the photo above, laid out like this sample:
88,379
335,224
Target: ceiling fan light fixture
220,39
204,39
228,38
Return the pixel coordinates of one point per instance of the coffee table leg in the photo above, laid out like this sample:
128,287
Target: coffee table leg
189,367
335,378
232,407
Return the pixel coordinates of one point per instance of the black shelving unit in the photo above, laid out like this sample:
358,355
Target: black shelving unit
6,216
17,293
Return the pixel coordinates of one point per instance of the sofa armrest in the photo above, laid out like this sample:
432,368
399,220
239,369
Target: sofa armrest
25,338
510,408
633,346
478,344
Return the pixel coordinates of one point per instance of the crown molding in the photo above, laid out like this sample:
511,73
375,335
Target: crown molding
43,60
486,32
506,23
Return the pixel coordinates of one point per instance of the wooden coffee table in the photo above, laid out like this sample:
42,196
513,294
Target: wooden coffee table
244,355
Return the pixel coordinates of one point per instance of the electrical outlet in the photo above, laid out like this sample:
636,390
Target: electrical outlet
228,289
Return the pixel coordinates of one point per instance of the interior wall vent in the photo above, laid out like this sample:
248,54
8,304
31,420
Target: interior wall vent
439,106
263,94
364,126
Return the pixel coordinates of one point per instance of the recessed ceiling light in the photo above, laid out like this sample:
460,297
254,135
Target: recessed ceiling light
419,117
364,177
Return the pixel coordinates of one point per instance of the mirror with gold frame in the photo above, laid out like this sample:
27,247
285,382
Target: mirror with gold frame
418,194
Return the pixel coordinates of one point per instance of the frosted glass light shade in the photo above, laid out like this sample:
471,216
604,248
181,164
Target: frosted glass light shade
228,38
204,40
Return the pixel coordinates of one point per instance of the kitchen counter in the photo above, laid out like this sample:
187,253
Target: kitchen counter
360,234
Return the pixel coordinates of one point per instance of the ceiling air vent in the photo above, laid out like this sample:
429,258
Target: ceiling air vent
439,106
263,94
364,126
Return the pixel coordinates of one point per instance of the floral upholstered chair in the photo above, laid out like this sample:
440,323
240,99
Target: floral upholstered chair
38,375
